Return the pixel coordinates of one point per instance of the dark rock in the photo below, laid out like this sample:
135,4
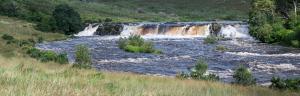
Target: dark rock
109,29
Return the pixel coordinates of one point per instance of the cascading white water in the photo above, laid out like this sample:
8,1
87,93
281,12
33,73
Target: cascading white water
165,30
128,30
235,31
161,30
88,31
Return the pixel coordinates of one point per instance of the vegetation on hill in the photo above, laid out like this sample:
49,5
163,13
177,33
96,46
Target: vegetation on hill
132,10
275,21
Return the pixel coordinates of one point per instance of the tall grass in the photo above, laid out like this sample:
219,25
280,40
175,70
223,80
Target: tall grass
29,77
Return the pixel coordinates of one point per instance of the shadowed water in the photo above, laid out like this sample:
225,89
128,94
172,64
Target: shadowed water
180,55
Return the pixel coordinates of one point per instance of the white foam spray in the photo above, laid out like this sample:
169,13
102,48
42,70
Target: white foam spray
88,31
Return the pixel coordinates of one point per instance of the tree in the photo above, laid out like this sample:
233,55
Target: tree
9,8
285,6
261,17
67,19
47,24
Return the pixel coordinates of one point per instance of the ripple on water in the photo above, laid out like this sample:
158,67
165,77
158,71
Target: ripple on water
180,55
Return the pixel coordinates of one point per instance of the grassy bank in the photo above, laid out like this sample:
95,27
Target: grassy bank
26,76
21,75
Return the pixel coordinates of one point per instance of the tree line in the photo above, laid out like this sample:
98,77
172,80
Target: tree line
275,21
49,17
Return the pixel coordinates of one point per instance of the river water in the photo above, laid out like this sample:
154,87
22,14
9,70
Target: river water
181,53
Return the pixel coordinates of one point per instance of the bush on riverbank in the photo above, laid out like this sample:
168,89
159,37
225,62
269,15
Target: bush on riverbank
136,44
198,72
27,46
285,84
273,22
82,57
243,76
47,56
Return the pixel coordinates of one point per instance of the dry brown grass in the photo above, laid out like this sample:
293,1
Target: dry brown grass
29,77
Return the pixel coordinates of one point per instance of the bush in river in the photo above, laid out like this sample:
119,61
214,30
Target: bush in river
83,58
243,76
136,44
221,48
211,40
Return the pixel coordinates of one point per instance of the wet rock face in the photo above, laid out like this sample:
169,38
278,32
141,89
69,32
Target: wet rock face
109,29
180,55
215,29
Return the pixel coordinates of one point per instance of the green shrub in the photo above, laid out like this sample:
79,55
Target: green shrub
22,43
295,43
108,20
243,76
33,52
210,40
47,56
287,84
148,47
82,57
135,40
122,43
134,49
182,75
200,69
198,72
221,48
47,24
40,40
136,44
62,58
7,37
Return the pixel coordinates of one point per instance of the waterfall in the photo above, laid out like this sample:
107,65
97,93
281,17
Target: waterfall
170,30
131,29
88,31
179,29
235,31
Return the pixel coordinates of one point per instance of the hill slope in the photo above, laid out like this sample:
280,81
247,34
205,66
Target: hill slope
178,10
142,10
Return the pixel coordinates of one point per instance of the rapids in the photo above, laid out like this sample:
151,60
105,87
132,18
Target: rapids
181,51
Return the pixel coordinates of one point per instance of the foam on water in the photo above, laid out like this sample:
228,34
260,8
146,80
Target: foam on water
130,29
268,55
177,30
88,31
237,31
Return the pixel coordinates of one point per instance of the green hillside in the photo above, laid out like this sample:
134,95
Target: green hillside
144,10
167,10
